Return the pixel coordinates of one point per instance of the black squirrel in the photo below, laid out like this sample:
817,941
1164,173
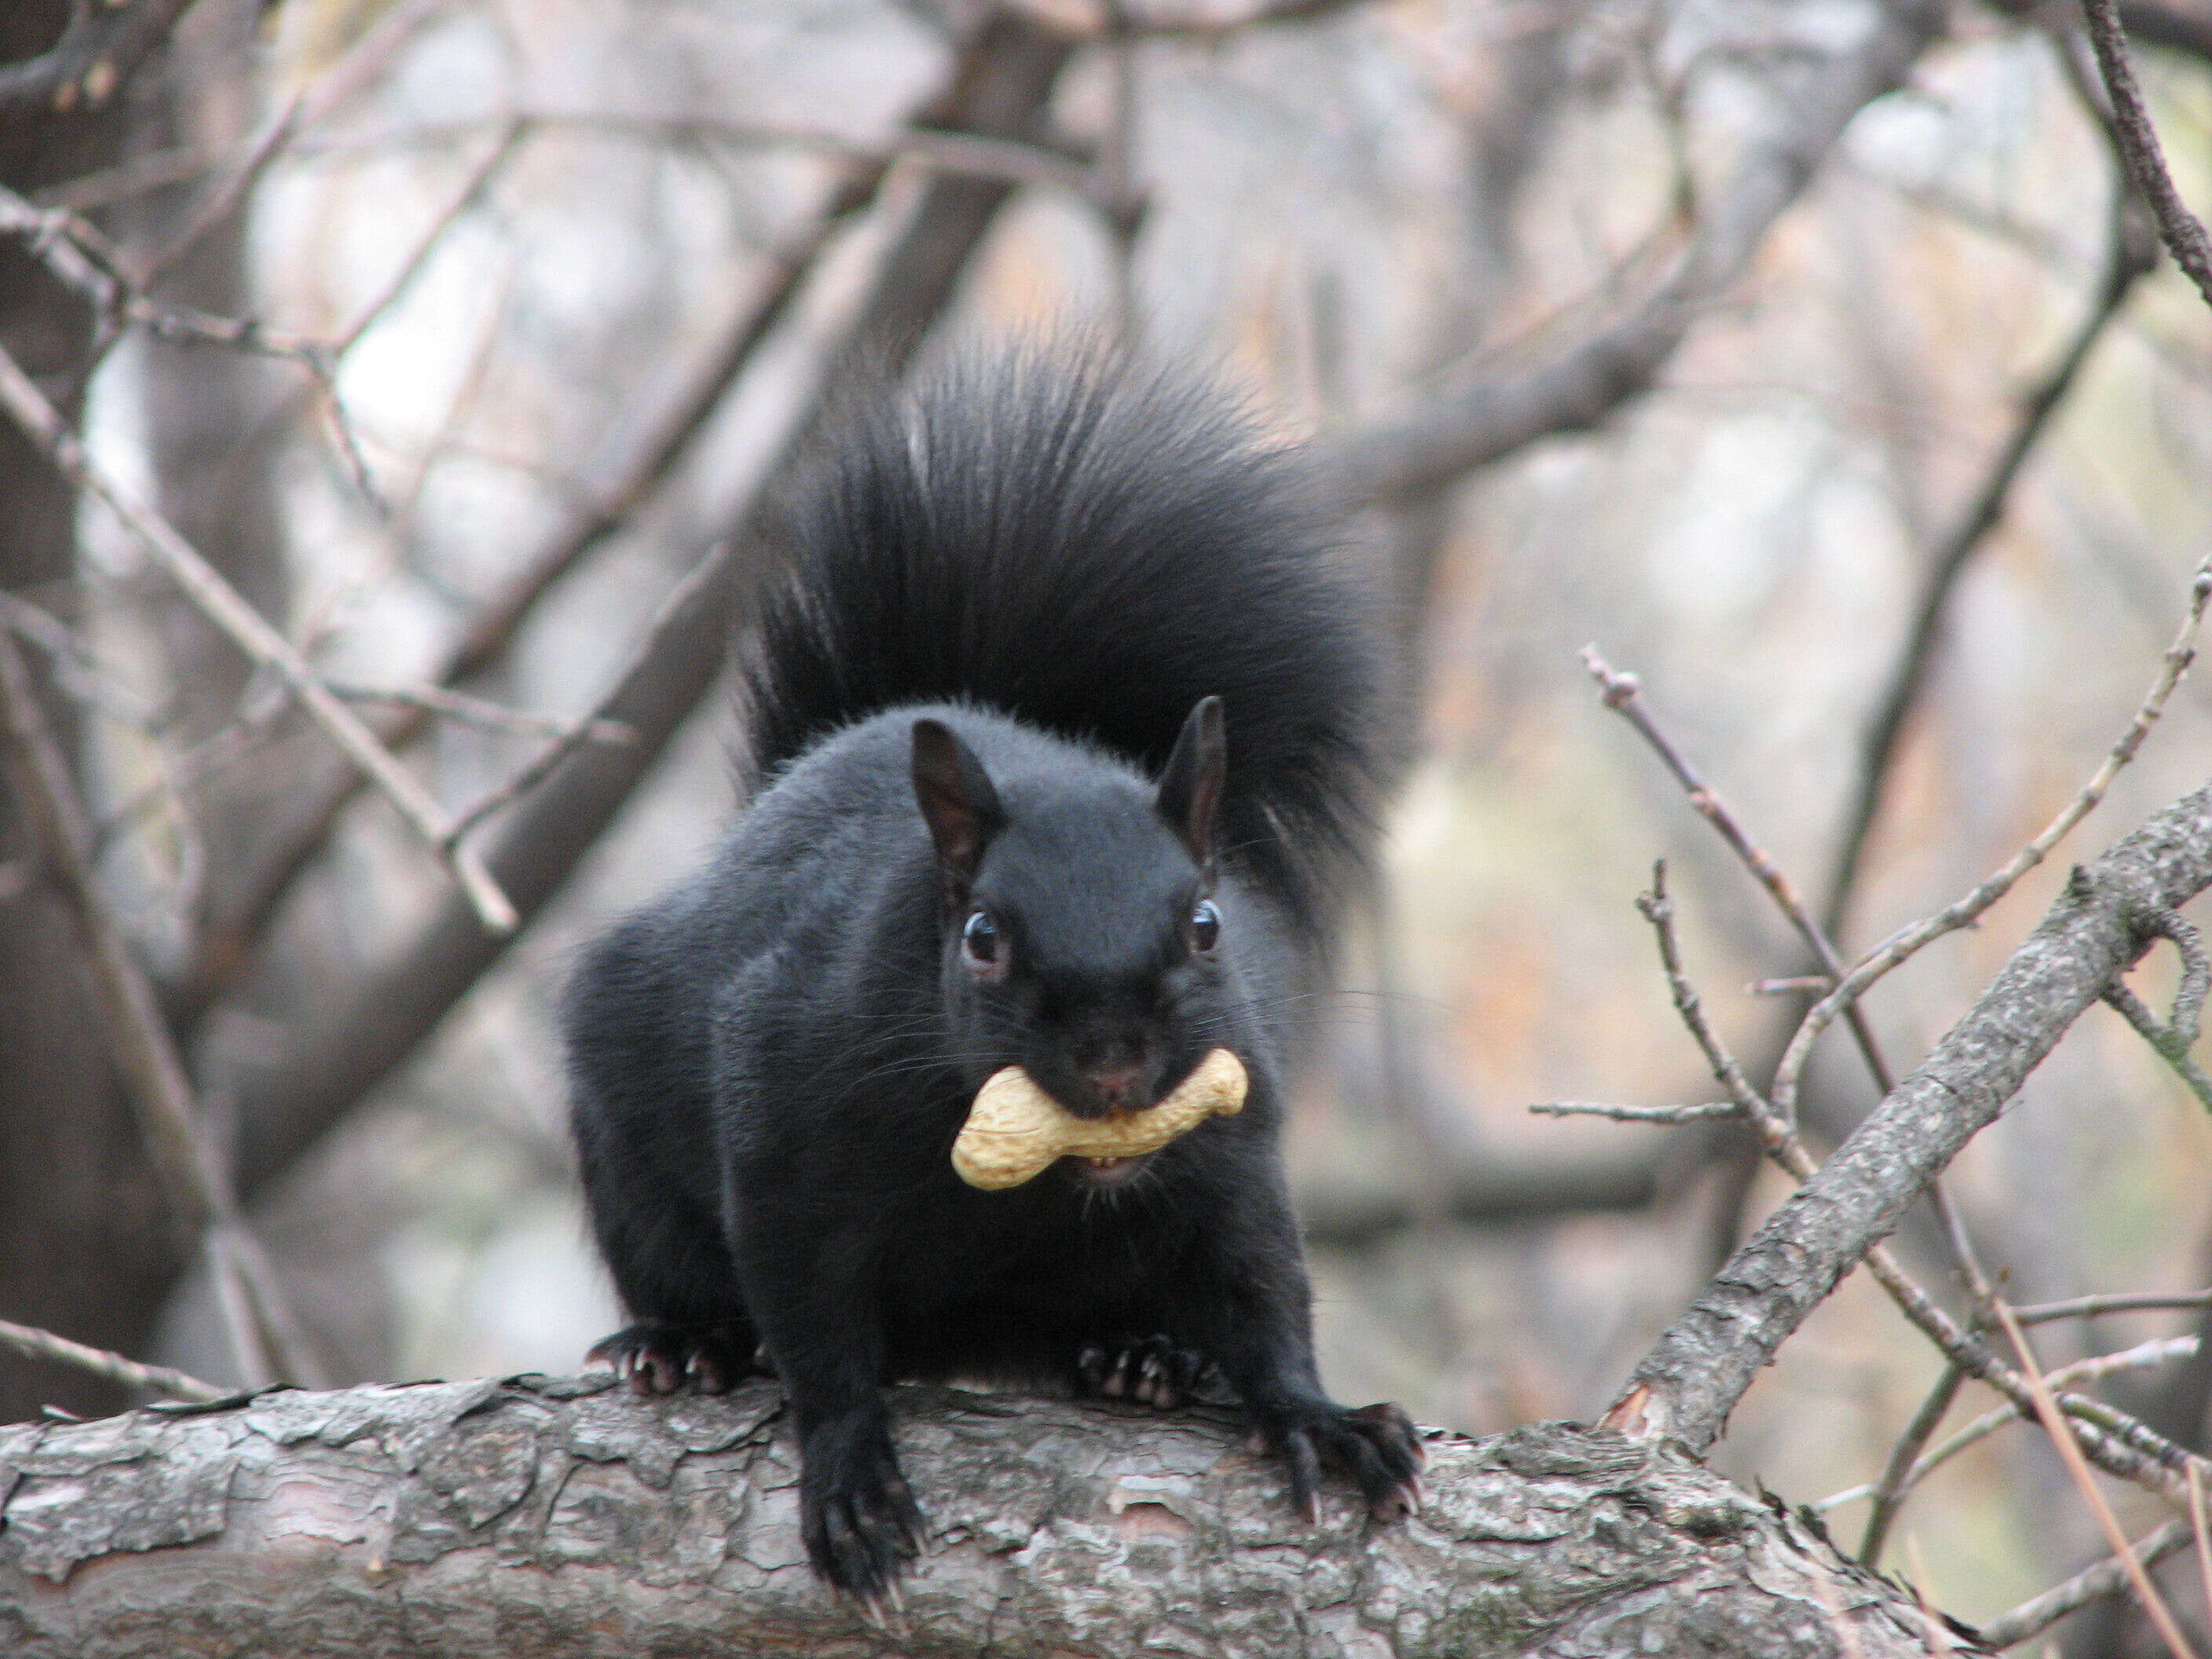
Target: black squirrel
1069,729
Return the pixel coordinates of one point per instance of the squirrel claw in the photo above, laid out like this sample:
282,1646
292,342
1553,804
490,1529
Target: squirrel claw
1151,1369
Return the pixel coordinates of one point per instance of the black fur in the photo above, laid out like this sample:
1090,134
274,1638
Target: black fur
1011,597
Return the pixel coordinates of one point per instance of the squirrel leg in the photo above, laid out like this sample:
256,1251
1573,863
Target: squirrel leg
1252,1311
820,1330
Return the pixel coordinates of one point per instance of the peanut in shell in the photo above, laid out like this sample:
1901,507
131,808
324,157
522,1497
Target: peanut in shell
1014,1129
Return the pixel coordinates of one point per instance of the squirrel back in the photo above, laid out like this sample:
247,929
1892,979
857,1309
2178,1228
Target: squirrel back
1058,536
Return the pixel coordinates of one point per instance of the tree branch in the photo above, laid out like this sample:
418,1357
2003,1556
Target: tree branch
1428,447
2138,140
1687,1384
253,635
570,1518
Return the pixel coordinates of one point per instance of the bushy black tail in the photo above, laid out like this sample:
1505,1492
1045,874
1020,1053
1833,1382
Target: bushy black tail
1092,549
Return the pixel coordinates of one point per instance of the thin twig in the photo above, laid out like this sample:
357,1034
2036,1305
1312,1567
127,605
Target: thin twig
2143,1356
2138,140
76,253
1698,1114
1904,943
371,51
672,608
74,249
2070,1451
2163,1039
1796,985
1896,1478
2176,1037
2108,1578
35,1344
249,726
480,177
638,453
2118,1444
479,711
2092,1306
252,634
221,201
1619,693
1007,161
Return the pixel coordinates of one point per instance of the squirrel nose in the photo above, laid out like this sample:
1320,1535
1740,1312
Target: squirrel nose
1117,1085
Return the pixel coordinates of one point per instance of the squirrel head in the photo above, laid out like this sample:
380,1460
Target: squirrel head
1082,934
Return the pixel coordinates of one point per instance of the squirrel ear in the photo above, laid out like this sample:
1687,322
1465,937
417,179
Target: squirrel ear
957,800
1190,783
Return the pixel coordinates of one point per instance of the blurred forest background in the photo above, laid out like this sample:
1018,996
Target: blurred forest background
1805,358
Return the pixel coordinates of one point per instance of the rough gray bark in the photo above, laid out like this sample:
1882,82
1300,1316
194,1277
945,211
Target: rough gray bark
558,1518
1692,1379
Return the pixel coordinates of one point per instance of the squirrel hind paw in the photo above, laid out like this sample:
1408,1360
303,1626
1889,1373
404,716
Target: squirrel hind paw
654,1357
1150,1370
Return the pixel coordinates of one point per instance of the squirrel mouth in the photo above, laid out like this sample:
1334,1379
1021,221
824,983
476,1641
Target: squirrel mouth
1108,1172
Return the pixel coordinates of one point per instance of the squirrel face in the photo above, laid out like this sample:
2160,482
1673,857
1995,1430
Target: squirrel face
1082,937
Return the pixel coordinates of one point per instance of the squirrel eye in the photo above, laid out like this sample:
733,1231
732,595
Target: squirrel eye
980,938
1205,927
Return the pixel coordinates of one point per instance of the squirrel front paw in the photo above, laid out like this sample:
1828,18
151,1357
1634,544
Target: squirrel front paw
1375,1445
654,1357
1150,1369
857,1514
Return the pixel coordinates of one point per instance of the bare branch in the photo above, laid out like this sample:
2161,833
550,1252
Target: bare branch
2166,1040
673,610
1620,695
1425,448
479,711
2096,1307
448,1518
2109,1577
1905,1473
2176,1037
1902,944
869,299
2184,233
648,444
1898,1474
153,1379
1701,1114
2046,1411
252,634
1686,1386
